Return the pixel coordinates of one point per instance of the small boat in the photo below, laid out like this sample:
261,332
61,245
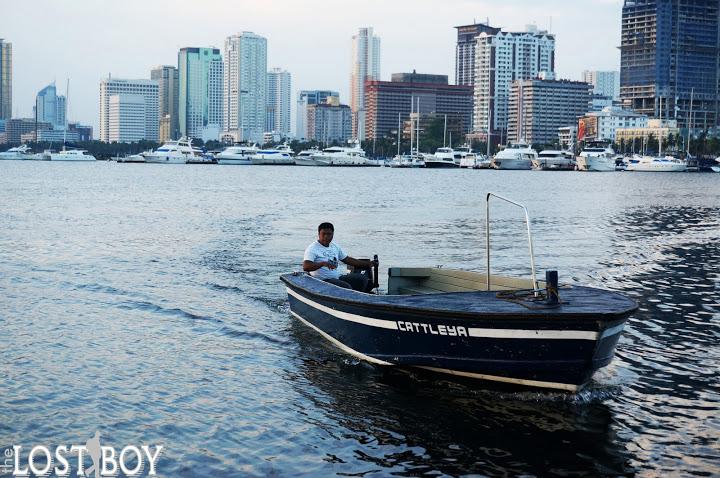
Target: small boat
130,158
238,154
469,324
554,160
280,156
666,164
516,156
716,169
72,155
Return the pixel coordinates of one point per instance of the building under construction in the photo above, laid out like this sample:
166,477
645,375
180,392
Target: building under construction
670,60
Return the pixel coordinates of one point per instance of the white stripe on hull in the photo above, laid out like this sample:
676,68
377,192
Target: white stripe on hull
472,331
518,381
341,345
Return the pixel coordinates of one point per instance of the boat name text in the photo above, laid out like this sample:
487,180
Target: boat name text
451,330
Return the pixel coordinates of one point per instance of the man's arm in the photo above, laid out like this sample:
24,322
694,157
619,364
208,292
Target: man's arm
309,266
351,261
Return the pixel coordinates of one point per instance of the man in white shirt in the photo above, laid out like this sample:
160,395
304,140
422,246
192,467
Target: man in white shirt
323,256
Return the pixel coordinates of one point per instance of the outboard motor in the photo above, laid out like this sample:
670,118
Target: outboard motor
551,288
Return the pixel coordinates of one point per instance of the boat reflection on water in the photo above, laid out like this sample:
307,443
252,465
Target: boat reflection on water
408,423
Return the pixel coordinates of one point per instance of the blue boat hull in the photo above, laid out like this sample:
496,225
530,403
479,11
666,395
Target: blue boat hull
543,350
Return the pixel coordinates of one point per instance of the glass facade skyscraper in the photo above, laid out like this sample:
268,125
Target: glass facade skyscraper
200,101
670,55
5,80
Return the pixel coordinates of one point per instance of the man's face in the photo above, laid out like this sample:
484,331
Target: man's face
325,236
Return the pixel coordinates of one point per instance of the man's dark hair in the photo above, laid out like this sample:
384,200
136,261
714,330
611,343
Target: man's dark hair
326,225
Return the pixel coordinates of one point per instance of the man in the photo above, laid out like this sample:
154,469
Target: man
321,261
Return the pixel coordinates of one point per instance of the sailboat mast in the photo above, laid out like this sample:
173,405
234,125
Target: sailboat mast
660,132
67,109
692,93
398,139
412,125
417,136
445,131
489,129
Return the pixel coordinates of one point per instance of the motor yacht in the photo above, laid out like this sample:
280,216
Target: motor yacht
443,158
280,156
716,169
72,155
516,156
172,152
659,164
342,156
554,160
20,152
305,157
238,154
596,156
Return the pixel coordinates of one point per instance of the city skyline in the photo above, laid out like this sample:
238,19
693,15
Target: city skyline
314,47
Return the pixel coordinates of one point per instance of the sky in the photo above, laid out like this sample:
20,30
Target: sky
85,40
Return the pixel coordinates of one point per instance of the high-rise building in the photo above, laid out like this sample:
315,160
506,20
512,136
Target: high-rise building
365,66
329,122
127,122
465,51
5,80
670,54
604,83
502,58
245,86
200,98
168,78
306,98
50,107
537,108
385,100
278,101
148,90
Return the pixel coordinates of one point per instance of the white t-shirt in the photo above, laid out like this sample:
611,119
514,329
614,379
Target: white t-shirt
316,252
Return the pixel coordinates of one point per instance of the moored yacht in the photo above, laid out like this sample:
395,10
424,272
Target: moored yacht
305,157
280,156
20,152
554,160
596,156
461,152
516,156
72,155
342,156
238,154
172,152
660,164
443,158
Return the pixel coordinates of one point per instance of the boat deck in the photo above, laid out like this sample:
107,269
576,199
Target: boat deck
463,294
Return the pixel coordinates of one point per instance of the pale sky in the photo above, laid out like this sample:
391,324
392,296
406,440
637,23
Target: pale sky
87,39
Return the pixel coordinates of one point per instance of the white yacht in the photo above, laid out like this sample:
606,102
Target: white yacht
596,156
554,160
461,152
342,156
305,157
516,156
282,155
651,163
443,158
172,152
20,152
238,154
716,169
72,155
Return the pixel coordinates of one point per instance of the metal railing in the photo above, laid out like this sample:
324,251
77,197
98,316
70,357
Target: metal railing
487,238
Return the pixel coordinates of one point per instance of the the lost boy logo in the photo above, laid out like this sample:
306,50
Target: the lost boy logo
71,460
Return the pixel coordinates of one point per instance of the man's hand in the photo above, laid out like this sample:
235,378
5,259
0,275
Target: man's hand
329,265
